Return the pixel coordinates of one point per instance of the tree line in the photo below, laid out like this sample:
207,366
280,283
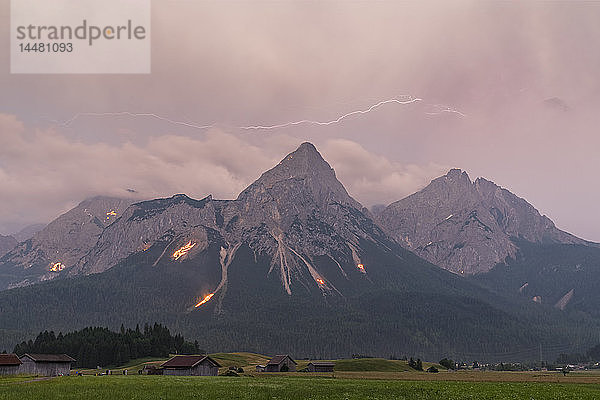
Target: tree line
96,346
592,355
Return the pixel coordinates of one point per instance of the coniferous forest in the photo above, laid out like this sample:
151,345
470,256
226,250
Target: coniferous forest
100,347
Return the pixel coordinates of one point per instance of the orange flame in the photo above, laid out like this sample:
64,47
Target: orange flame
205,300
183,250
361,267
320,281
111,213
57,267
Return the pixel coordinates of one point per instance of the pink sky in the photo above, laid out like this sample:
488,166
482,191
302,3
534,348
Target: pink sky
264,63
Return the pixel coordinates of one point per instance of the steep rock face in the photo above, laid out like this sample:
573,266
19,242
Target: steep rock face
299,211
62,243
466,227
141,225
303,178
292,214
7,243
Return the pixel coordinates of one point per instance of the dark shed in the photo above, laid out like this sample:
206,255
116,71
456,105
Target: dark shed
9,364
320,366
46,364
191,365
281,363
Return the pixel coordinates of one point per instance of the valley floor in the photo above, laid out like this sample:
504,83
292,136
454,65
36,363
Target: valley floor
449,386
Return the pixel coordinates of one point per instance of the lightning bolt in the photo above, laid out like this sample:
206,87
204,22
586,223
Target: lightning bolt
130,114
440,109
401,100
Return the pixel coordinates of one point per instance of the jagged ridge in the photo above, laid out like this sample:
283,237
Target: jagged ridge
467,227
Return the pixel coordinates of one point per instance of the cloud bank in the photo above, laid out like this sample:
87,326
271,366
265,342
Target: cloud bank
44,172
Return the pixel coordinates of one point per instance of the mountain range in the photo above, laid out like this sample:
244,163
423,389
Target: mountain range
295,264
468,227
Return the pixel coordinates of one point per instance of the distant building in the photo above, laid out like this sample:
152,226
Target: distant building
9,364
191,366
151,369
281,363
46,364
320,366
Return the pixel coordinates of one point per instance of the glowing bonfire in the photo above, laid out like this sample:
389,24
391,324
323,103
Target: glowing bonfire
111,213
320,281
361,268
183,250
204,300
57,267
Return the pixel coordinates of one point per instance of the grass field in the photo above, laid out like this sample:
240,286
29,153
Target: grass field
285,387
373,378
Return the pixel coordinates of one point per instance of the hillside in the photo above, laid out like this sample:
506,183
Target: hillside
293,265
258,315
562,276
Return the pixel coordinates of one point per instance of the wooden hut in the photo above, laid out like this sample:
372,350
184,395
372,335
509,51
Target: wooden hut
46,364
281,363
9,364
320,366
191,366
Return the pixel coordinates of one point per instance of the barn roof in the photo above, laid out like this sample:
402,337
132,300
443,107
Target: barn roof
57,358
278,359
9,359
188,362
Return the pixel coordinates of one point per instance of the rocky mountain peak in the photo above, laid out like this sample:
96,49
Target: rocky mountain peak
457,175
302,174
455,184
64,241
467,227
294,214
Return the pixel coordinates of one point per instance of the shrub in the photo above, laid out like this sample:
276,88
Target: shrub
447,363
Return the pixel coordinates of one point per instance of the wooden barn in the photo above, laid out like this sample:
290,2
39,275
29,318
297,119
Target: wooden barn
9,364
281,363
46,364
191,366
320,366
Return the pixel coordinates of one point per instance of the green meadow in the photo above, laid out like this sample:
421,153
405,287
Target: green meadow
283,387
371,378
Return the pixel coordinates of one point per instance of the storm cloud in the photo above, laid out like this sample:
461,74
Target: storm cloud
45,172
523,76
